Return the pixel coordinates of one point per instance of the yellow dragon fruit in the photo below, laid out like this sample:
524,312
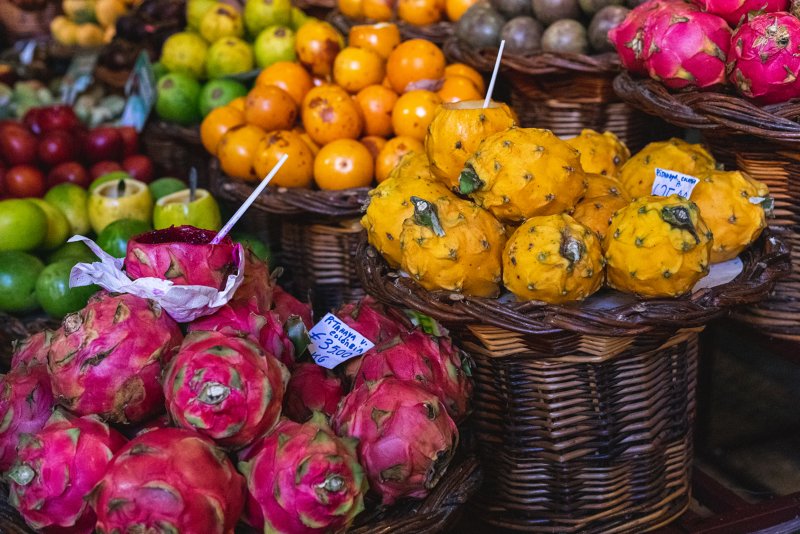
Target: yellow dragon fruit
601,153
731,203
638,173
600,186
657,247
456,131
524,172
554,259
454,245
390,204
604,196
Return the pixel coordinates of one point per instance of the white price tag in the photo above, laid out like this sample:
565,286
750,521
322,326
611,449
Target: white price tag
669,183
333,342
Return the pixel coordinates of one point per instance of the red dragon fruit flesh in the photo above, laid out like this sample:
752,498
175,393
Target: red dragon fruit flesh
57,467
169,480
303,479
182,255
406,439
225,388
764,60
32,350
107,359
26,403
736,12
311,389
686,49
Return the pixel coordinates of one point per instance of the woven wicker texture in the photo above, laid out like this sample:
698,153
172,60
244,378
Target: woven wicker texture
437,33
176,149
16,23
765,143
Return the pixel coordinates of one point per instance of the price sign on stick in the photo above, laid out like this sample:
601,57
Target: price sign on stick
669,183
141,92
333,342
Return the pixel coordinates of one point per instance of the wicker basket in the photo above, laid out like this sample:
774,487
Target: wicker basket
765,143
566,93
314,233
437,33
175,150
17,23
583,414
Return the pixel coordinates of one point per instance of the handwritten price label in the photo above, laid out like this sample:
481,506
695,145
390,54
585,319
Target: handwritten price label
669,183
333,342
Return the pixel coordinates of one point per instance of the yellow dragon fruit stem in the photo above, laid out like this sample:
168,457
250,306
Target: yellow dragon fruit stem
678,217
571,249
469,181
426,214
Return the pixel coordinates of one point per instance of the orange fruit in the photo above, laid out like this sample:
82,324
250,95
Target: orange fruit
238,103
460,69
317,44
237,150
376,103
356,68
289,76
419,12
413,112
374,144
329,114
414,62
217,123
392,152
353,9
343,164
271,108
381,38
456,8
457,89
380,10
298,171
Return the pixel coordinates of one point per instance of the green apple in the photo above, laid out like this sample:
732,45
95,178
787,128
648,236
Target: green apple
72,200
166,186
122,199
53,291
23,225
108,177
114,237
76,251
177,210
57,225
18,274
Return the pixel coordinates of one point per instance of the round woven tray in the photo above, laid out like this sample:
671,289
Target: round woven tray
175,150
16,23
437,33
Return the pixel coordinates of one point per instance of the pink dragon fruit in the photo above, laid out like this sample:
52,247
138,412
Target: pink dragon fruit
225,388
431,362
286,306
302,479
183,255
406,439
257,285
162,421
684,48
371,319
311,389
169,480
57,467
32,350
737,11
107,359
243,319
26,403
764,60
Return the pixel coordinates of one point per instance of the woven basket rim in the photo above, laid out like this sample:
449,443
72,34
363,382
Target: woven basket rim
712,110
187,134
534,64
767,260
345,203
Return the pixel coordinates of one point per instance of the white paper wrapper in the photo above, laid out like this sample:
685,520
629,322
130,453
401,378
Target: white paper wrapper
182,303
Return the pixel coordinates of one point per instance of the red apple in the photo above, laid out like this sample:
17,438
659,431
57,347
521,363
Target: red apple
140,167
69,172
103,143
103,167
24,181
17,145
130,140
33,120
57,146
58,117
2,181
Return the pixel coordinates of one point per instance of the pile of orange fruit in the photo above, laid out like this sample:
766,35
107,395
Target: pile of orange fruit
414,12
344,115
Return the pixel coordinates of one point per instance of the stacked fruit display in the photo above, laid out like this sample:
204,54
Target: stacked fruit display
533,26
343,134
414,12
553,220
229,421
752,46
88,23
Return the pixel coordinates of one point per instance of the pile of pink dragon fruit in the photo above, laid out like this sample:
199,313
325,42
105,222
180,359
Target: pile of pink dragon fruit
123,420
753,46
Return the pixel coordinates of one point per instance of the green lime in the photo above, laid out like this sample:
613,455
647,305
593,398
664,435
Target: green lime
196,9
259,248
78,252
218,93
228,57
259,14
165,186
58,229
72,200
114,237
18,274
274,44
159,70
23,225
113,176
185,53
53,291
299,18
177,98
